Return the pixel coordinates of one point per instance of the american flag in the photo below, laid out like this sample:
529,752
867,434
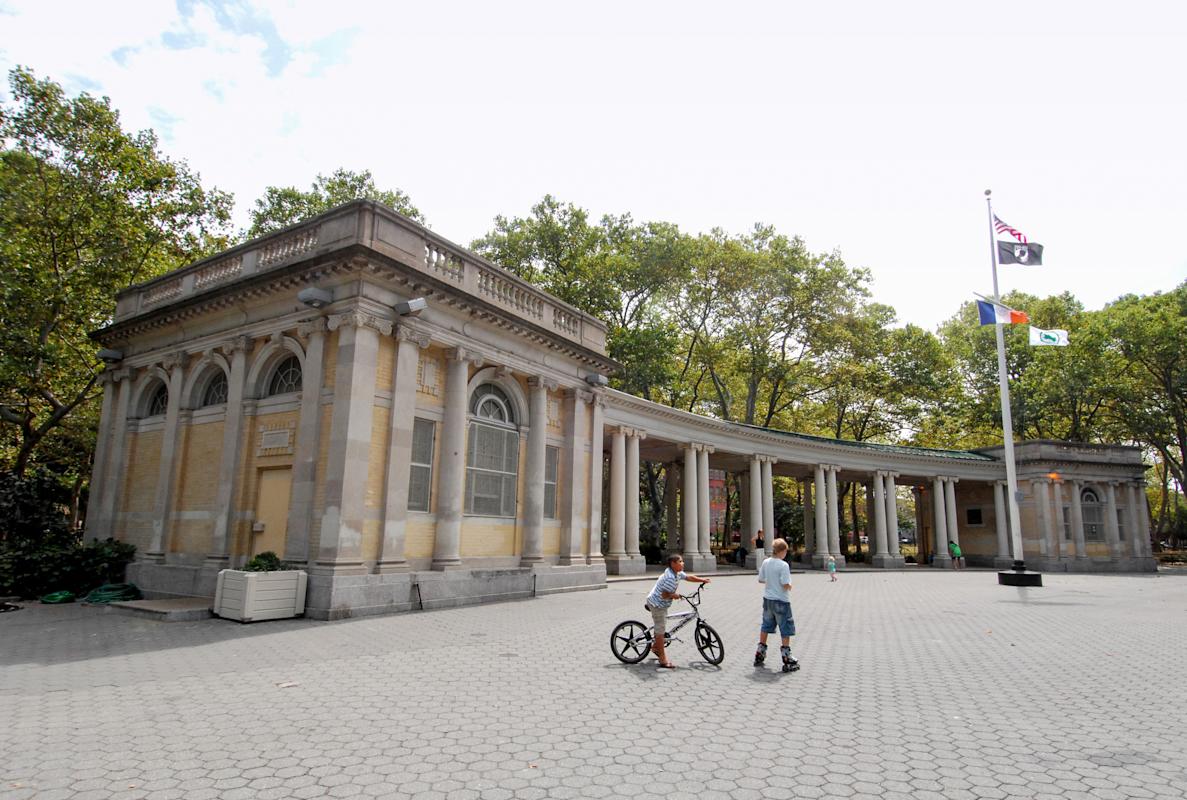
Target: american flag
1002,227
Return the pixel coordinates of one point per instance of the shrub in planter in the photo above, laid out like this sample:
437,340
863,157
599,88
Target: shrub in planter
266,562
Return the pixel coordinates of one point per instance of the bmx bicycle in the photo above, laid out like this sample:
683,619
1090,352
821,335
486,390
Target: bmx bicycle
631,640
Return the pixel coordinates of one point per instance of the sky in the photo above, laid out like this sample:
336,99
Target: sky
867,127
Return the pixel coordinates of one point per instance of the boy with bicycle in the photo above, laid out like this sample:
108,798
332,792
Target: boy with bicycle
660,600
776,606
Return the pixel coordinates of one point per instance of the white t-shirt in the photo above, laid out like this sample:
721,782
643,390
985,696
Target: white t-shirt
775,573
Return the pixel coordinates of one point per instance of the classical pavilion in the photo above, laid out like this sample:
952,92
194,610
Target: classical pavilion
416,427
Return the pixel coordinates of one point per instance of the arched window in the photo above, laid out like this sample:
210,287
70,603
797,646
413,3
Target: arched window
159,402
215,393
492,454
286,378
1094,527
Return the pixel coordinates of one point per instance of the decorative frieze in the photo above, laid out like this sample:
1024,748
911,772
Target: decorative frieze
360,319
308,327
162,292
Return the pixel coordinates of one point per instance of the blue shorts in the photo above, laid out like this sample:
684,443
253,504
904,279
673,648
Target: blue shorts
777,611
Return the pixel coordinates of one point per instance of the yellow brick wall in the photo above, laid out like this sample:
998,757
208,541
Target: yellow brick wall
385,367
253,463
197,490
140,486
373,508
483,537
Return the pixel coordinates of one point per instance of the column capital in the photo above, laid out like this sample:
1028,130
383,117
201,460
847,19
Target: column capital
581,395
463,354
540,382
308,327
169,361
360,319
407,333
236,344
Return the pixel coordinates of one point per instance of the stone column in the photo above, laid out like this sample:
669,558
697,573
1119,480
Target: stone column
689,505
1144,525
1111,531
820,558
878,485
768,506
950,510
809,520
409,343
340,546
672,505
940,558
571,504
920,523
113,484
1043,506
754,517
892,533
617,522
533,495
638,565
834,523
307,448
97,528
1058,549
596,468
1078,522
451,481
1135,521
167,468
704,546
1001,523
231,454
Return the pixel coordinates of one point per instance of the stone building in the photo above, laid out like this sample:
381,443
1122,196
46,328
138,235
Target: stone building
417,427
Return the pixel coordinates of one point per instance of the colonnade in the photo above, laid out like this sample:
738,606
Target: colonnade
1124,536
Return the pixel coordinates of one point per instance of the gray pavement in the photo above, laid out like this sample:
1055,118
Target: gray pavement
921,685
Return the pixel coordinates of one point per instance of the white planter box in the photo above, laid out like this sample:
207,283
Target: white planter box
255,596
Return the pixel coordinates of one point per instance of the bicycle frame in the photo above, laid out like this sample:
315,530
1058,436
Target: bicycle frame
685,617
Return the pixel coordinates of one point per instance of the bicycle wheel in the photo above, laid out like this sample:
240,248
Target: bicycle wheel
709,643
630,642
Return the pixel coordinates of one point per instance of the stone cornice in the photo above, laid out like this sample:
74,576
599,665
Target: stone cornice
359,319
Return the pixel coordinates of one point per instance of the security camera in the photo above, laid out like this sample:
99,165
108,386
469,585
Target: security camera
314,297
410,308
110,356
596,379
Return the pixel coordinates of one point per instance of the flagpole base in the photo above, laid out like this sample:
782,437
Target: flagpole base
1019,576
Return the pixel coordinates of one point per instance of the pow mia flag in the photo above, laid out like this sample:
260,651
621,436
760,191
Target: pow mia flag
1019,253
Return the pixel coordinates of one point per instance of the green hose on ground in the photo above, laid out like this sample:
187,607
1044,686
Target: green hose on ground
113,592
64,596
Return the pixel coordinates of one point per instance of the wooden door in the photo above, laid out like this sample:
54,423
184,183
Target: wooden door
272,511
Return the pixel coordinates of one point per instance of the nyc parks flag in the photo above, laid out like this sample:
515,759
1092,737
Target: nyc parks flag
1057,338
993,314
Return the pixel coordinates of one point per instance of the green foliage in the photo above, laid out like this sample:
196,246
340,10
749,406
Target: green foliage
32,510
266,562
86,210
282,206
31,569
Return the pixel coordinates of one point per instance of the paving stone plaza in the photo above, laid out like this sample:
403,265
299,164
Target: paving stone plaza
921,685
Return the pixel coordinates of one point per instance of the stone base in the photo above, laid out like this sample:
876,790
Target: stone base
338,596
158,581
942,561
695,564
1002,562
887,561
819,561
626,565
1011,578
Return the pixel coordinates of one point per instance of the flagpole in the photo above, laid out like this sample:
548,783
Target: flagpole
1007,421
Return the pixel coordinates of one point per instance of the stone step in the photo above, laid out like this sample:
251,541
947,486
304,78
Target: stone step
173,609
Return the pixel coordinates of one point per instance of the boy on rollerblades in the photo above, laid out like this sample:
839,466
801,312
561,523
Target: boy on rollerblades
776,607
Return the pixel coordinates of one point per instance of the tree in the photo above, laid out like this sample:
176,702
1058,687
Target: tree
1148,397
86,210
282,206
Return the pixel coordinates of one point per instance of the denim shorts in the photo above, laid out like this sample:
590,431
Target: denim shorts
777,612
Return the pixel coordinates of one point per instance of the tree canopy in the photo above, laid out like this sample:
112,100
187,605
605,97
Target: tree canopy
86,210
282,206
